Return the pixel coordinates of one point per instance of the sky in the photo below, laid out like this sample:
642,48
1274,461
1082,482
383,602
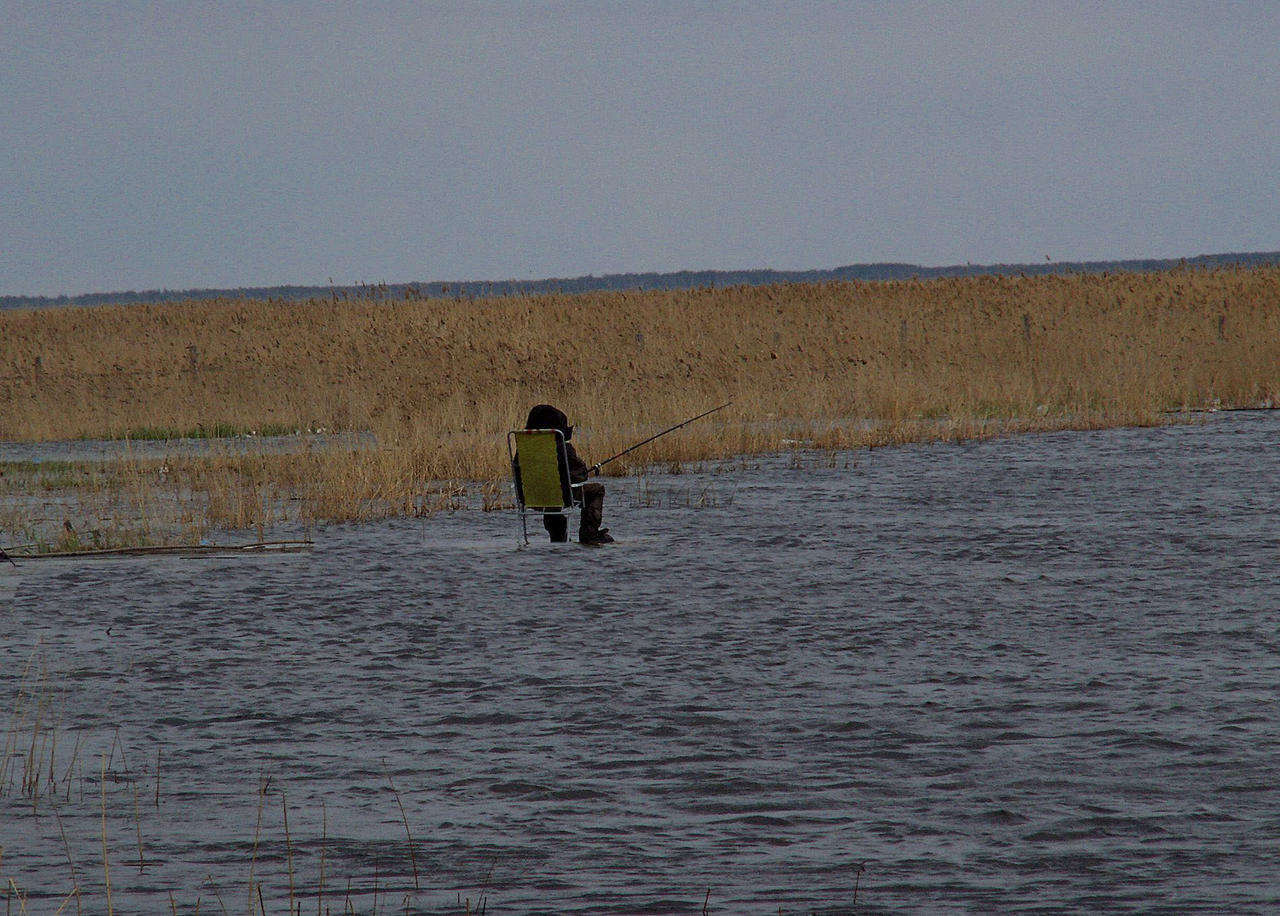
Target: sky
187,145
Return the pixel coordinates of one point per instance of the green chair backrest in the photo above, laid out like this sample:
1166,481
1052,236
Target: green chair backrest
542,472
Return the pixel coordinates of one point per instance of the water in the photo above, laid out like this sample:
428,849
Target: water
1026,675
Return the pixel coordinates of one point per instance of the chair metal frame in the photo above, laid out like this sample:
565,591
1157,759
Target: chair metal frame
548,493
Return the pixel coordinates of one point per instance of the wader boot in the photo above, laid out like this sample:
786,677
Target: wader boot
590,532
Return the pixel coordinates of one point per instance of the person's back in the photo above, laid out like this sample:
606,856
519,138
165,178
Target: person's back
544,416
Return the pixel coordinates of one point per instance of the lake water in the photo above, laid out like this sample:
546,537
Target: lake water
1021,676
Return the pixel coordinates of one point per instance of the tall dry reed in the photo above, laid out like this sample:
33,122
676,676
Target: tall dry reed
439,381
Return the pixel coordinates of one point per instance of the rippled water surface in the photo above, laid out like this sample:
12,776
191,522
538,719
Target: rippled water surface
1026,675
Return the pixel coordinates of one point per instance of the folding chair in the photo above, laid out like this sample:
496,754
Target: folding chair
540,473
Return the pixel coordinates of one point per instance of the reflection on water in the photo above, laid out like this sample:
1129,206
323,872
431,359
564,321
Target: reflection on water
1024,675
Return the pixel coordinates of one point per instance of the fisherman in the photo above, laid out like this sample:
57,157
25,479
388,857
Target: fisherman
544,416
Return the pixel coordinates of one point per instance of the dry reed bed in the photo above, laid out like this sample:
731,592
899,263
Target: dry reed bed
439,381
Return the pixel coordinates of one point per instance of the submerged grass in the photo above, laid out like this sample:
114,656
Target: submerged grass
215,431
439,381
120,851
115,806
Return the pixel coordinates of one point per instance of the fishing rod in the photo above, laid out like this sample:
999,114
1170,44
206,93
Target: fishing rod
595,468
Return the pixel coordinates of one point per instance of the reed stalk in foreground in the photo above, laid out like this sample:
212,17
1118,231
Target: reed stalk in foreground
404,818
106,866
439,382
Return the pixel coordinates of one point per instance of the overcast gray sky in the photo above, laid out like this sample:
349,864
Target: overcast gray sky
180,145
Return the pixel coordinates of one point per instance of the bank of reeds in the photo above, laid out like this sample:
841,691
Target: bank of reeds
439,381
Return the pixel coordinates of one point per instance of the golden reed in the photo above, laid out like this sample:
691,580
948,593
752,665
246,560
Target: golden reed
439,381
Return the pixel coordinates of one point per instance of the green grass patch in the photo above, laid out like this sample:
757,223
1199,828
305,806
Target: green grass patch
37,465
53,474
212,431
71,541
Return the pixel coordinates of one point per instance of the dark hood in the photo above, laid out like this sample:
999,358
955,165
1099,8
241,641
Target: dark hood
544,416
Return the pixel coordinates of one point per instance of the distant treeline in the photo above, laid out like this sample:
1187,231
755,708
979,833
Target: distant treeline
684,279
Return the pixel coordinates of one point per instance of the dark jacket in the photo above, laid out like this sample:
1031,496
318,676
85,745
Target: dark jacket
577,467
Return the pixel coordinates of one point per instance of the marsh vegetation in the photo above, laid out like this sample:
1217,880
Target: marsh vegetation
437,382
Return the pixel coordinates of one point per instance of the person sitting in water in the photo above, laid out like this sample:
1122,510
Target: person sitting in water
544,416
